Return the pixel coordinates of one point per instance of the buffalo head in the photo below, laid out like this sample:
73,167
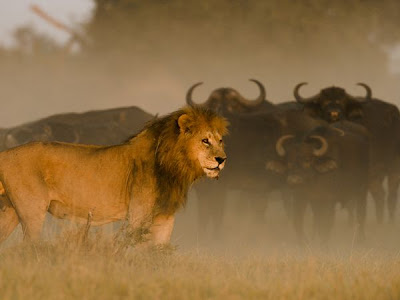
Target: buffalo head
228,100
303,157
333,103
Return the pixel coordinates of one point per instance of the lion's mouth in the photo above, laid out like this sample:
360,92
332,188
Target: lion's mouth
214,169
212,172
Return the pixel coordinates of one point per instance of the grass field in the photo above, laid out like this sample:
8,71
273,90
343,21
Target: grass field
71,267
249,262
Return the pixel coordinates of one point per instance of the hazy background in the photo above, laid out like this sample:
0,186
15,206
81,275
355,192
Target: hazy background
149,53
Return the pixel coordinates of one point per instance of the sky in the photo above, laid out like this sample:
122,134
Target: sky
16,13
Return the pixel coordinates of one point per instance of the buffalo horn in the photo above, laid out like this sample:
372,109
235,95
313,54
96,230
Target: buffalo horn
324,145
279,144
340,131
189,93
368,96
260,99
301,99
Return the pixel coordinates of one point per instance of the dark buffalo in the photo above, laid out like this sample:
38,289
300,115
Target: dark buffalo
324,165
381,119
248,148
254,125
250,135
101,127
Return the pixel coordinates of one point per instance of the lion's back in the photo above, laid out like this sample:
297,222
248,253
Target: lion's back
33,156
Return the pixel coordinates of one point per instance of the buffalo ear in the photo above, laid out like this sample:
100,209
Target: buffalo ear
276,166
325,165
184,123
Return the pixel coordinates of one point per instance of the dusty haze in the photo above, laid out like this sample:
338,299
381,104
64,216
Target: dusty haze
149,54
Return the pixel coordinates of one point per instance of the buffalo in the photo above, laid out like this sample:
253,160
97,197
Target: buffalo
251,133
324,165
255,124
382,121
100,127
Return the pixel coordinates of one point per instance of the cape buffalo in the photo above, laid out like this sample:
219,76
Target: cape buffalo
100,127
325,165
382,121
250,136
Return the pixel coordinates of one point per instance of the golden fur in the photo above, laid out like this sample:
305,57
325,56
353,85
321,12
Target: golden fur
144,180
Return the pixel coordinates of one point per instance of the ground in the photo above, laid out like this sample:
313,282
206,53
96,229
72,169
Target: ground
247,265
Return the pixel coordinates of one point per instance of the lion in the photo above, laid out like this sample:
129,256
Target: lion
144,180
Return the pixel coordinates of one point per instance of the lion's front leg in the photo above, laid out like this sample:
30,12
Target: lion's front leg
140,220
159,233
140,212
148,228
161,229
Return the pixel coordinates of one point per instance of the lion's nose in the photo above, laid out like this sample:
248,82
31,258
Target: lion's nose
220,160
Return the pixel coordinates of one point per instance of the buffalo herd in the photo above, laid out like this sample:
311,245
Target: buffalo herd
318,151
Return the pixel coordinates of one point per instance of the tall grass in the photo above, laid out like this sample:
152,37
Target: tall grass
77,266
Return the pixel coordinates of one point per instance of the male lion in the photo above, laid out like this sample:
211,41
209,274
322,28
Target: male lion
144,180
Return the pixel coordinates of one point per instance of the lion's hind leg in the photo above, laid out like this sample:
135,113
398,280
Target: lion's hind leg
8,218
32,222
31,210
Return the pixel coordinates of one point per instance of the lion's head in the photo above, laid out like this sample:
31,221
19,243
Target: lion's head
189,141
202,134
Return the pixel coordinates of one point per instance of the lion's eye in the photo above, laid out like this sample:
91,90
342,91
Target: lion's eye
206,142
220,141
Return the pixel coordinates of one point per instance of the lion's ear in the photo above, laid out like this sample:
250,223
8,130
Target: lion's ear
184,122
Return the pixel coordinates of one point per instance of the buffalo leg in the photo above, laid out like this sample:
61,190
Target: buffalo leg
324,216
350,207
287,200
258,206
299,209
393,187
361,212
211,204
378,193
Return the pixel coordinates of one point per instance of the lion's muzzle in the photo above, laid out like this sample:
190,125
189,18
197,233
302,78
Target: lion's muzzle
213,172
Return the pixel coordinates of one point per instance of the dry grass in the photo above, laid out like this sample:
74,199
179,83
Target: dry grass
74,266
